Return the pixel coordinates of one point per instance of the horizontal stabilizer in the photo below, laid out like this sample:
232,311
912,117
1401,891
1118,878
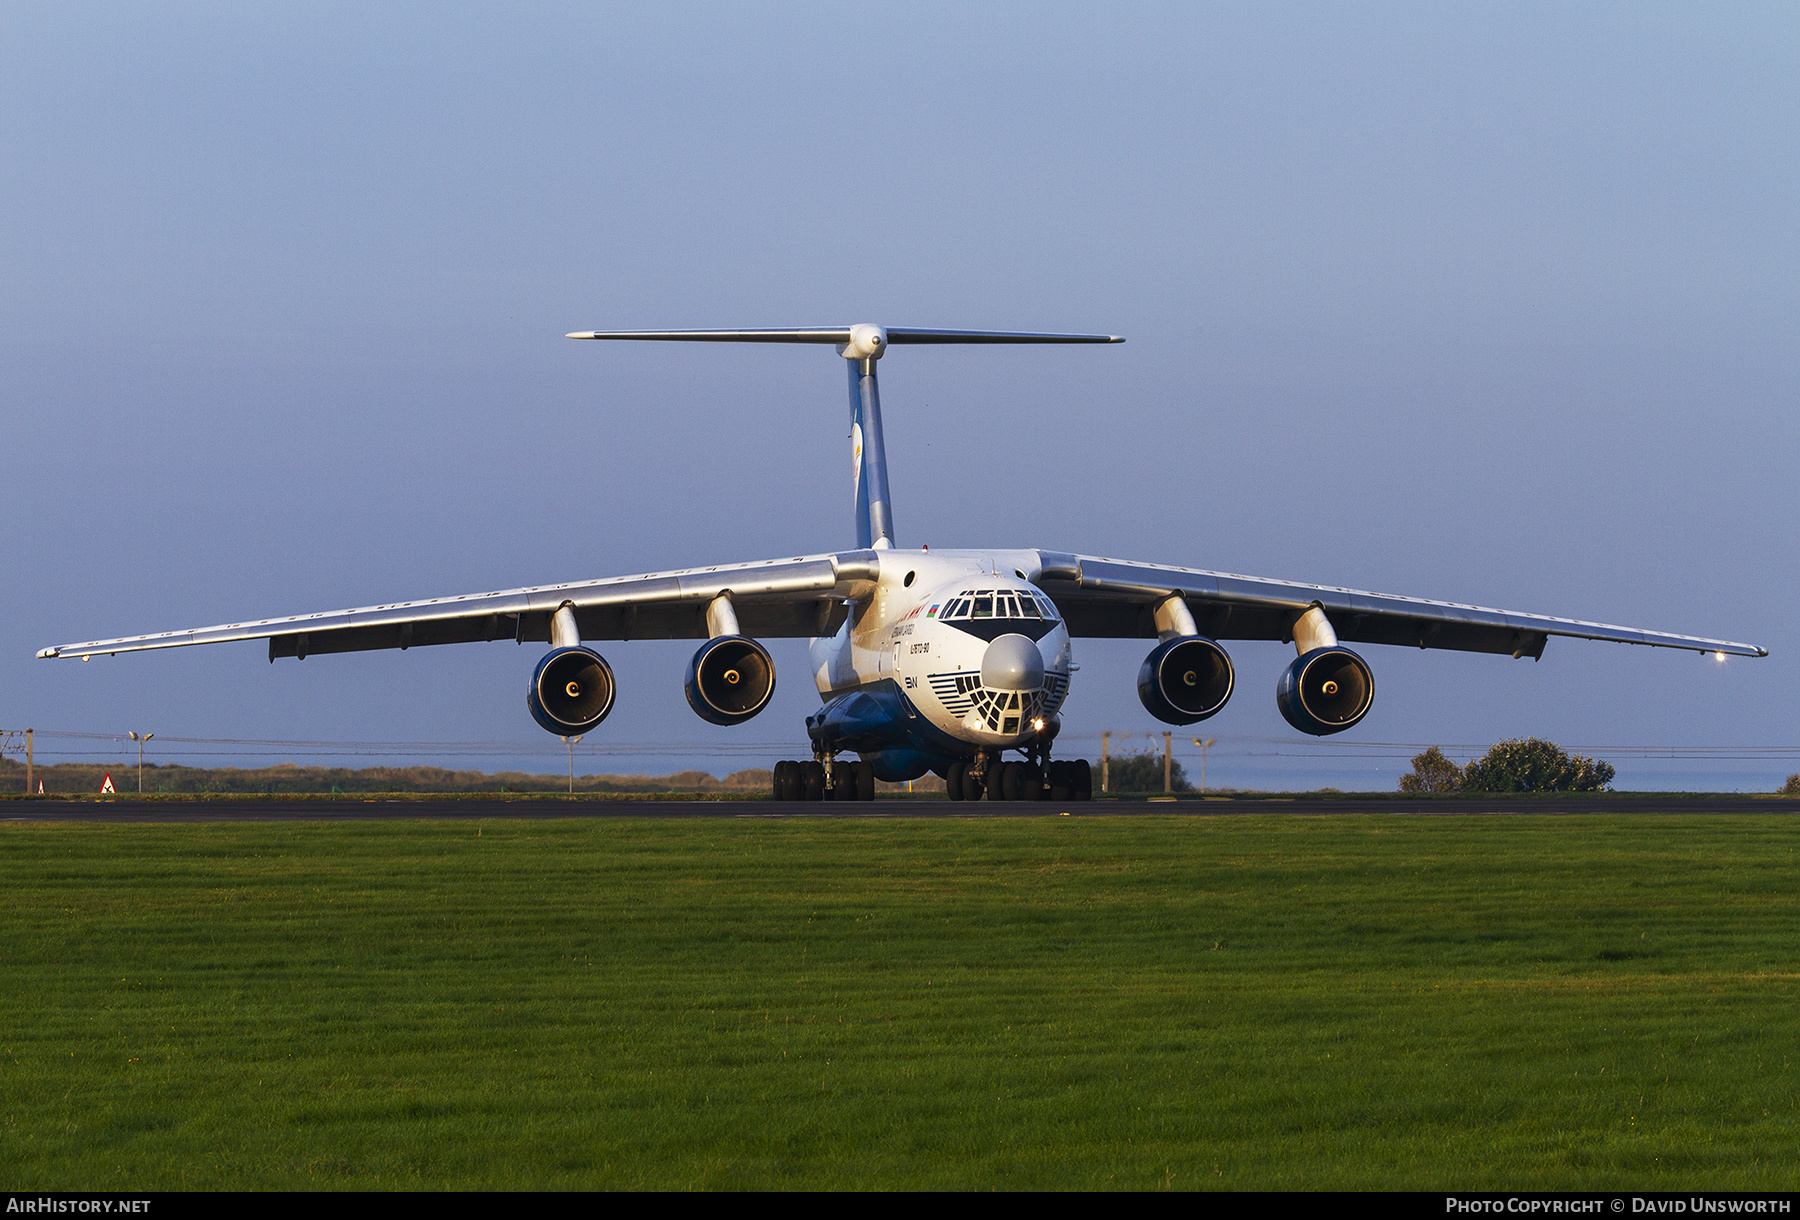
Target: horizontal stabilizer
842,334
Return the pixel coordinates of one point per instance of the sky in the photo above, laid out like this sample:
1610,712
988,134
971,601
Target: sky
1487,303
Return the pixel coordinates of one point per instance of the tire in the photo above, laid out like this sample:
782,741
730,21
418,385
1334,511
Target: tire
865,781
1003,782
1031,783
953,779
784,781
971,787
1081,780
1059,788
812,787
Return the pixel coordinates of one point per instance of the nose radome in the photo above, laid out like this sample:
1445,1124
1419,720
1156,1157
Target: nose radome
1012,662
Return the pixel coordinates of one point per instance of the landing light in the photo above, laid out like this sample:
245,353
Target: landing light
1719,657
1037,726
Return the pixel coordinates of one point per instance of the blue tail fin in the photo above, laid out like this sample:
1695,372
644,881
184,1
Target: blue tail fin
868,453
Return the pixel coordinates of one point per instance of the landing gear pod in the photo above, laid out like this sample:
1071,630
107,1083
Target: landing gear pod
1185,679
571,691
1325,691
729,680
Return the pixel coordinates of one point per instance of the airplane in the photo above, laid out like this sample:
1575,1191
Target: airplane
925,661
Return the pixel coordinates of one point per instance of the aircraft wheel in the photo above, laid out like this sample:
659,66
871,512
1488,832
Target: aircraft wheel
812,787
865,781
1081,780
1058,773
1003,782
953,779
1031,783
784,781
971,786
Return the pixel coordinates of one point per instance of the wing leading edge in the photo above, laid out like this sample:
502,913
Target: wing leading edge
782,598
1112,598
805,596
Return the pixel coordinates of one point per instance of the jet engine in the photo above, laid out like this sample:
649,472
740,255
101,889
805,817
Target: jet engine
1325,691
1185,679
730,679
571,691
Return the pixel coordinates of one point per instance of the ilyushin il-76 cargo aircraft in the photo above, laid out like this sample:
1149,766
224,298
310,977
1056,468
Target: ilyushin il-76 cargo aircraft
941,661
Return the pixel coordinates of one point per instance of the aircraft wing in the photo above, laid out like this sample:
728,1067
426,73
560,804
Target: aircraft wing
803,596
1113,598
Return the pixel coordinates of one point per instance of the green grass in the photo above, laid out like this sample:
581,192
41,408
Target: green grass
1590,1001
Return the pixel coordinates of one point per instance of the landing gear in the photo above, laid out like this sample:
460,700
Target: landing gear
964,781
1016,781
1035,779
811,781
1071,781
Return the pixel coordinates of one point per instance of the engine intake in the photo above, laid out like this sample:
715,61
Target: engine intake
1185,679
730,680
1325,691
571,691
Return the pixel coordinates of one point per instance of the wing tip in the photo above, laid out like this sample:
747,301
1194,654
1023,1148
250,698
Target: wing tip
45,654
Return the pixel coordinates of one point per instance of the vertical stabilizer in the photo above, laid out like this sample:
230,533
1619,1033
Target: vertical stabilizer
868,456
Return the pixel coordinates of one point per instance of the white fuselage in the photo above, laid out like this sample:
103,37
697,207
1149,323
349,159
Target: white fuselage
902,635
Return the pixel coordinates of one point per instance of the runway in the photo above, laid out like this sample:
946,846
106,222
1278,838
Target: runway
304,810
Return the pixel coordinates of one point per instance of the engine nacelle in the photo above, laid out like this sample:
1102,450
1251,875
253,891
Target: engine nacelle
1185,679
730,679
1326,691
571,691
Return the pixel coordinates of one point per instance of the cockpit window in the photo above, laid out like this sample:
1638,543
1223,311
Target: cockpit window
1000,604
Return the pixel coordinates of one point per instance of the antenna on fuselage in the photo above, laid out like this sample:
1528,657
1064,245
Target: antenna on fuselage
860,346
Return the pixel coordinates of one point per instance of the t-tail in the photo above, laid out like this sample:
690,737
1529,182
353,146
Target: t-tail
861,346
868,450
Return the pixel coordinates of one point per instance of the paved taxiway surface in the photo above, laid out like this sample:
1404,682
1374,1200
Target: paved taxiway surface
379,810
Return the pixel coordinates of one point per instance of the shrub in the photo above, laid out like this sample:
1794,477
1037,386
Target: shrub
1535,765
1432,772
1142,772
1792,787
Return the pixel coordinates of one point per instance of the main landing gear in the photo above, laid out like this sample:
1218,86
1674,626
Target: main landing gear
1036,779
824,779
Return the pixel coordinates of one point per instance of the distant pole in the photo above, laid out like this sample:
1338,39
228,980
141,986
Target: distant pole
1105,761
570,742
29,786
1204,747
141,739
1167,787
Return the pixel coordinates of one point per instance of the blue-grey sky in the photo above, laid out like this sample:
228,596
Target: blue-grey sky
1487,303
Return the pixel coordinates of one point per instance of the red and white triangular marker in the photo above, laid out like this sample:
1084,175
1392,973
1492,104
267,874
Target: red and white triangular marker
106,789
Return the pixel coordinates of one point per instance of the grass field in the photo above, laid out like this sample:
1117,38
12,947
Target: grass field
1241,1002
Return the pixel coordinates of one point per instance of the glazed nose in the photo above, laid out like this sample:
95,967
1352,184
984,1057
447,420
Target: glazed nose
1012,662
